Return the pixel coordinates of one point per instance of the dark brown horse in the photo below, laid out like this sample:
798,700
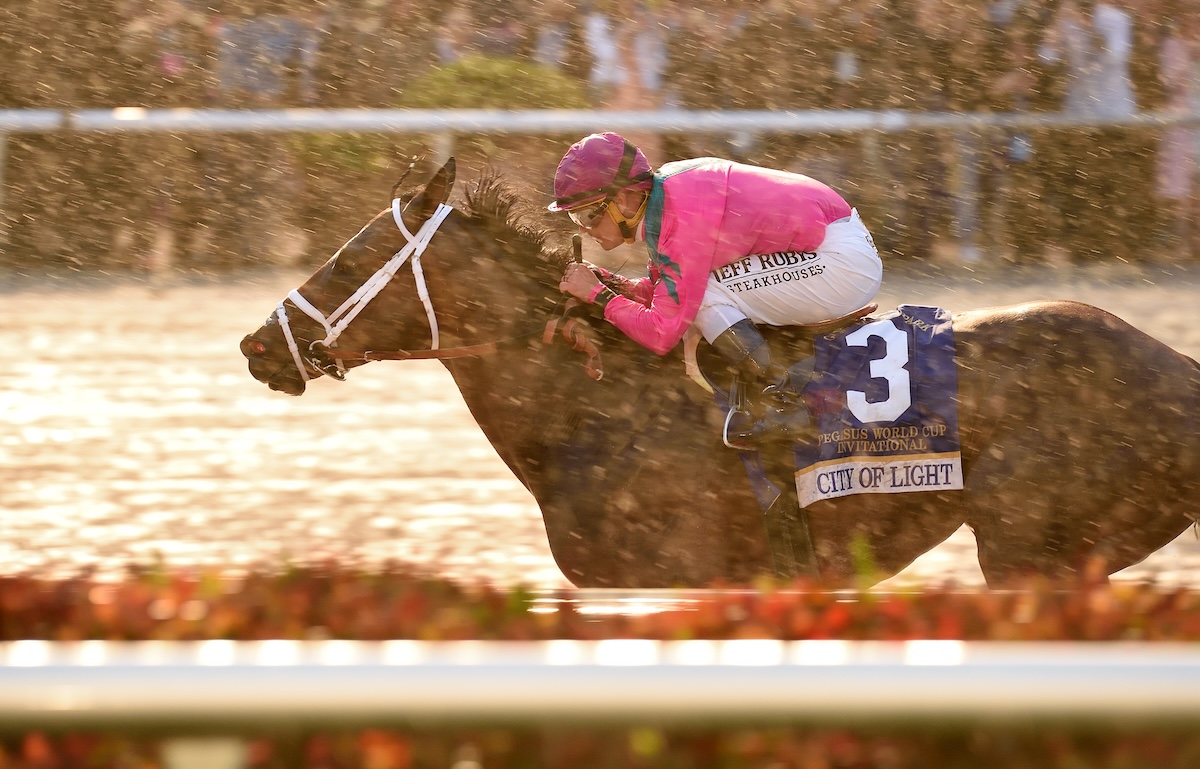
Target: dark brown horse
1080,434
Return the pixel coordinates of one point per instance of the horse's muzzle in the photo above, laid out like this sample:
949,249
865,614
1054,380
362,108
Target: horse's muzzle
278,374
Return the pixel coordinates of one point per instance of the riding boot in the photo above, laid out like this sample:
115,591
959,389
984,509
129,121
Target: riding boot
764,405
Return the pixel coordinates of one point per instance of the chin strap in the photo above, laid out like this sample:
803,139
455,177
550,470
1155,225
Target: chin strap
628,227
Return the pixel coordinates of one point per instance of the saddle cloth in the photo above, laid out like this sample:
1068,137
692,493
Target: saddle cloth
885,403
883,397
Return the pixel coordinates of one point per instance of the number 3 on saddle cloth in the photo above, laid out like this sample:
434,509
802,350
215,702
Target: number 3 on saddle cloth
883,398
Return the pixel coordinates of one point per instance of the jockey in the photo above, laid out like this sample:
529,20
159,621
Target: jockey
730,246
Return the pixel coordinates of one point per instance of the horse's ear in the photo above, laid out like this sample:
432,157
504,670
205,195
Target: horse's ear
436,192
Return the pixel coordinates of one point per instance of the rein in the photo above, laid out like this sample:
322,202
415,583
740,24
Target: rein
469,351
565,319
466,351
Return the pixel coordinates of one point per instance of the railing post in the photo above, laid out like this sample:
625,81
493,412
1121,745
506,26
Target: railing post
964,189
443,146
204,753
3,162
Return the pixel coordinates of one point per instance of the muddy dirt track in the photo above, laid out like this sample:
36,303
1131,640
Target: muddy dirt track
130,430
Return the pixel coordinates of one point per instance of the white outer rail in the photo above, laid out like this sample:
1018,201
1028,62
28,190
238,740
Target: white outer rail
577,121
251,684
136,119
30,120
443,124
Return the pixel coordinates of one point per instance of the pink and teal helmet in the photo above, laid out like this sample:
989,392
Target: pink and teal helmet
595,168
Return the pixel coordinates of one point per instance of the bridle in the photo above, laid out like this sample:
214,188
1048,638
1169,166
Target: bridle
323,355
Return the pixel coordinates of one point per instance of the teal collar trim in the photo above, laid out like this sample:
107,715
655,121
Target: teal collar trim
658,197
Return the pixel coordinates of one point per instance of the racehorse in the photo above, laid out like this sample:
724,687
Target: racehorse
1079,437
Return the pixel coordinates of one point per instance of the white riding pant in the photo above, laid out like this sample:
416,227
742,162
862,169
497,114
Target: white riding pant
793,288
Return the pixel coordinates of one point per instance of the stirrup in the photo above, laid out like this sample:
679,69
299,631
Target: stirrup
725,431
739,403
773,427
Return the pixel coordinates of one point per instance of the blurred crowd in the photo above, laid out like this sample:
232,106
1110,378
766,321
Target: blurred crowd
1027,196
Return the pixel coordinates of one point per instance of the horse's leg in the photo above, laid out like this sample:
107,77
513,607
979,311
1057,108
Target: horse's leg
1023,480
1020,506
868,538
785,525
635,523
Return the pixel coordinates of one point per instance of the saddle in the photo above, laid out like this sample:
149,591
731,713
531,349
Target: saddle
828,326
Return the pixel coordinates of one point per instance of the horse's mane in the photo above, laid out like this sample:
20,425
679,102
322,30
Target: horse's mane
495,204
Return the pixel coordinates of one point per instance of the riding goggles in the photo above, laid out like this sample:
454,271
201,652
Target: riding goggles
588,217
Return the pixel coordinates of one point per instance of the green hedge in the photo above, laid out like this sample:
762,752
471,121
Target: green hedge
484,82
475,82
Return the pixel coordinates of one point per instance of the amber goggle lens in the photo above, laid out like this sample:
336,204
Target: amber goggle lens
588,216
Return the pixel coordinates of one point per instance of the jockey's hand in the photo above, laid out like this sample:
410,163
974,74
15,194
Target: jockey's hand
579,281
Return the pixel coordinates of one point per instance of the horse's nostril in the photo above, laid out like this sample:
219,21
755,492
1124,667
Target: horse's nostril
252,346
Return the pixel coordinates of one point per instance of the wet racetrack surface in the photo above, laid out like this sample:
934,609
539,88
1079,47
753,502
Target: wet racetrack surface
130,430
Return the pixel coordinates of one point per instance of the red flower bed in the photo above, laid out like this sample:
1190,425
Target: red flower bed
334,602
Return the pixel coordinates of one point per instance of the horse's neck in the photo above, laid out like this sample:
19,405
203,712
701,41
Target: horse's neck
511,396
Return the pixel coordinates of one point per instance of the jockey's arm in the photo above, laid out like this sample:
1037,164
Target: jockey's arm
640,290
